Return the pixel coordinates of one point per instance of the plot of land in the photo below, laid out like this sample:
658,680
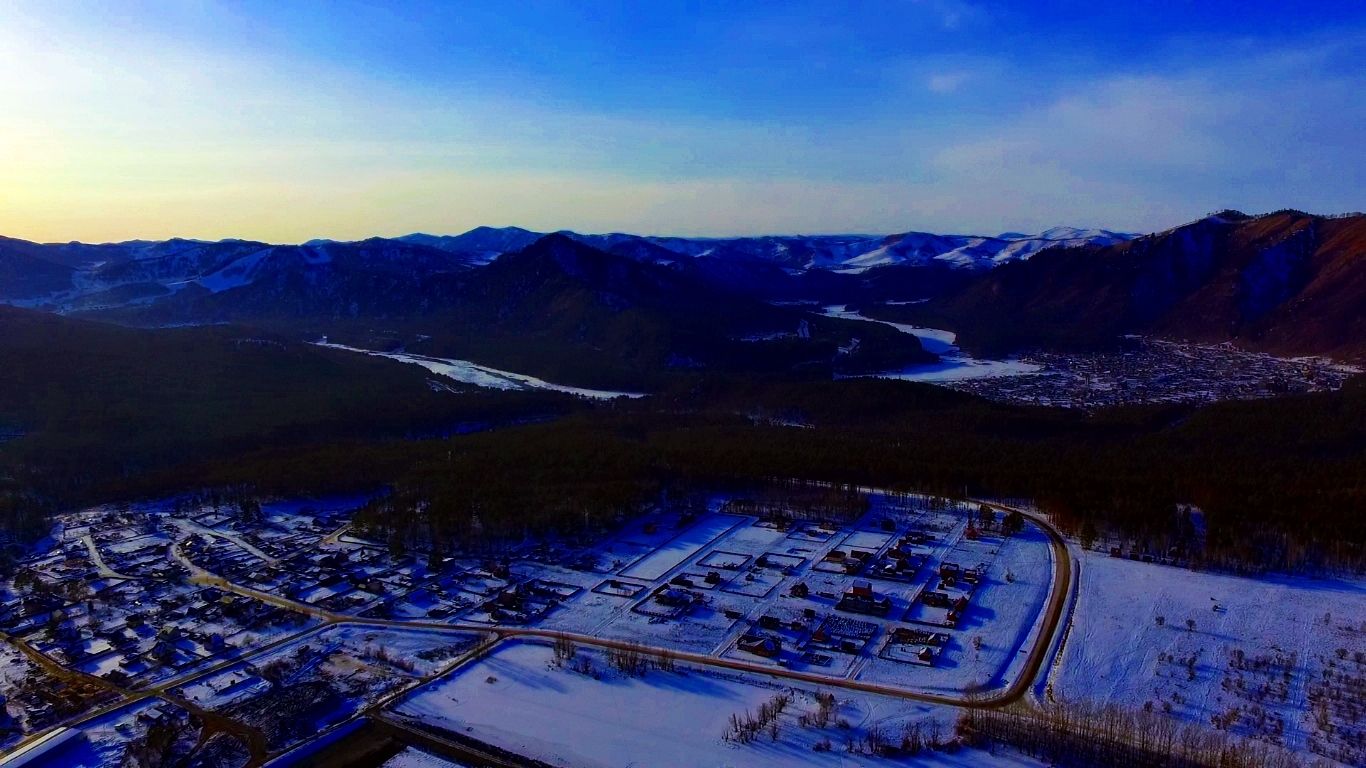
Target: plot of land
675,551
725,560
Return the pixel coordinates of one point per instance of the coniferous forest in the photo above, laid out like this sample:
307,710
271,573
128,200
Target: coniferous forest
95,413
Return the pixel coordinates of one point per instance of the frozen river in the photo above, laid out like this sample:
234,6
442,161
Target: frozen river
954,364
482,376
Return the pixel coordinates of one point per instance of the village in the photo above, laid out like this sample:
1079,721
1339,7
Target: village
1157,371
205,608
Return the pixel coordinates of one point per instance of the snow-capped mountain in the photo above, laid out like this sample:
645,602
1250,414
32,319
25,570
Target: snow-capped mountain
78,276
845,253
1285,282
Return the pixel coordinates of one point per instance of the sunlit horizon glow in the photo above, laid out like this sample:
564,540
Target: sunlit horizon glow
344,121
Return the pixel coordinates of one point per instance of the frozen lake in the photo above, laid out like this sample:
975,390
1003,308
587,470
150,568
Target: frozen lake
481,375
954,365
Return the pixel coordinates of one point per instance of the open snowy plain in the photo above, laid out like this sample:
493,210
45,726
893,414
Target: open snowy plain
1277,659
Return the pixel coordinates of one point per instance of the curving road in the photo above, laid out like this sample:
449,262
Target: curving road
1063,573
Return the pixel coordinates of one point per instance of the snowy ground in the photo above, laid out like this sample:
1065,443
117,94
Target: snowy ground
518,700
688,543
106,737
480,375
1260,646
412,757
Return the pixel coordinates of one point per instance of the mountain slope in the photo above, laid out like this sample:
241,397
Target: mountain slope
1286,282
565,311
289,283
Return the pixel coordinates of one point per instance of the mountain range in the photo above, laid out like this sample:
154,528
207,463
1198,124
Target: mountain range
1288,283
620,310
78,276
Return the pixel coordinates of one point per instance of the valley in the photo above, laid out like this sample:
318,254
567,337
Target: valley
404,504
757,385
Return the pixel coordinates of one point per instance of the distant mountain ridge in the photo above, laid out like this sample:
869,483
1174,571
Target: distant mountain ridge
79,276
1286,282
848,253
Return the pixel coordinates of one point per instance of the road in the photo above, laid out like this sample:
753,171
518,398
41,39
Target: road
98,559
1055,611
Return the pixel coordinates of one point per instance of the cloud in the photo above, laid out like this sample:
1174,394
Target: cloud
1259,134
947,82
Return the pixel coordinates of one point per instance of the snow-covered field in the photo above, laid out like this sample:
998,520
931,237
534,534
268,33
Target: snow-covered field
688,543
482,376
1264,648
413,757
519,700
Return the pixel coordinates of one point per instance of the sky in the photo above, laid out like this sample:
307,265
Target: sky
289,121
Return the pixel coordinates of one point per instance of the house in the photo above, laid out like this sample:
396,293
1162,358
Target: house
911,636
674,598
956,612
800,590
66,632
164,652
936,599
509,599
862,599
761,645
769,622
949,569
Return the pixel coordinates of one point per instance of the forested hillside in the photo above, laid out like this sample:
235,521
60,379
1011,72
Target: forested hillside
1287,283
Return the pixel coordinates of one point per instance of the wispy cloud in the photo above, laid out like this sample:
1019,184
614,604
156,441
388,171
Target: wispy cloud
947,82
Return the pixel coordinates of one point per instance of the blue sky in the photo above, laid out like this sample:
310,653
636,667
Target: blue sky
288,121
